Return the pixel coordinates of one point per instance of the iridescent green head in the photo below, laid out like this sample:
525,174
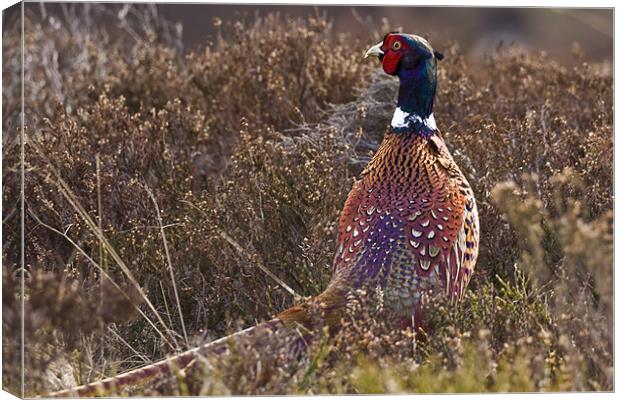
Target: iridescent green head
414,61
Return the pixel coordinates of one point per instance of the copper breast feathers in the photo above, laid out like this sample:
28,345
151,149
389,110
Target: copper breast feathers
410,221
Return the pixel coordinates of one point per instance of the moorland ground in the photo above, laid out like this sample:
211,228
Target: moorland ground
177,173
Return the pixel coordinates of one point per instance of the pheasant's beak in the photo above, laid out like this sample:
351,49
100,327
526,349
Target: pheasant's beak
374,50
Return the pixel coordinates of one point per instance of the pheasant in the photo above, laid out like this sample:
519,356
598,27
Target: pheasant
409,227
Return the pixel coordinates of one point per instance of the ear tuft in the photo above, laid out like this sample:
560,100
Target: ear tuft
438,55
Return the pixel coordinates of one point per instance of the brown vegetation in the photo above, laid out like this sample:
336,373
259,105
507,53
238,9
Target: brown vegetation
242,154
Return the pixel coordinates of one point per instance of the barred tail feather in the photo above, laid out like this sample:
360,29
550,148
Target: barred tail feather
166,366
329,301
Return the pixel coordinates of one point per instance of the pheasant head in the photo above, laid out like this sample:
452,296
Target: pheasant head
413,60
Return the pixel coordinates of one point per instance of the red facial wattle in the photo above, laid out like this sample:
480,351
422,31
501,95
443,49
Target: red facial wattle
393,49
390,62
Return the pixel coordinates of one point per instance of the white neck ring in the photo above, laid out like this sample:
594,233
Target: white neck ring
402,119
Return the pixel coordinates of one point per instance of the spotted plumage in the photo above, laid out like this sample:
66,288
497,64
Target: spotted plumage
410,224
408,229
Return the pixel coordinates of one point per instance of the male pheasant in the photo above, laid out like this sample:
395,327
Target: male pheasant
409,228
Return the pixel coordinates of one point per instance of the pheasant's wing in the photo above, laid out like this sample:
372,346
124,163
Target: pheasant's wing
462,252
351,229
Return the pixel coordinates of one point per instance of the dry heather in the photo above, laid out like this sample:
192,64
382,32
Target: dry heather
142,160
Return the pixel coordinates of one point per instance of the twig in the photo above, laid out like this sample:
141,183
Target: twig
241,251
10,214
163,296
66,191
36,218
133,228
74,253
174,284
69,196
99,222
144,358
244,253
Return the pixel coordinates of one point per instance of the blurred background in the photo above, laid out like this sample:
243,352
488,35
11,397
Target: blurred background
557,31
477,30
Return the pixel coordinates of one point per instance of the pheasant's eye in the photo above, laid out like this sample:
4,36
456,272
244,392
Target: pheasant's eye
396,45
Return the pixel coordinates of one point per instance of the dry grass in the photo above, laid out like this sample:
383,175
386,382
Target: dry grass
257,137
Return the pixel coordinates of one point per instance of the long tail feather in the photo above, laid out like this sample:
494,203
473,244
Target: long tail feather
143,374
295,316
